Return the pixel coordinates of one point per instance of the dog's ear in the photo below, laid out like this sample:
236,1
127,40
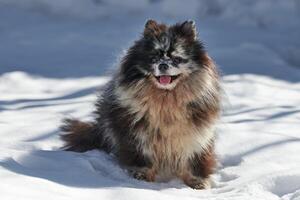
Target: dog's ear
151,24
188,29
152,28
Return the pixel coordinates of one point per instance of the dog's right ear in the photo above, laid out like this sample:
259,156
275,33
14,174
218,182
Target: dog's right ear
152,28
151,24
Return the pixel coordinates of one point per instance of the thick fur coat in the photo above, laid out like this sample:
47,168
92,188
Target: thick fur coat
158,113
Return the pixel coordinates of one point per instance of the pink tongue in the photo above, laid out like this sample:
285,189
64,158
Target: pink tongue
164,80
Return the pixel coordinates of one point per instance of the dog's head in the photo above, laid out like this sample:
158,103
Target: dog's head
165,55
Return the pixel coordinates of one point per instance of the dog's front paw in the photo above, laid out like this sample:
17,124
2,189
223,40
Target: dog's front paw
198,183
143,174
139,175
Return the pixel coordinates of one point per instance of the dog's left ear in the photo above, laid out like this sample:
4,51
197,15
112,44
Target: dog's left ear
188,29
153,29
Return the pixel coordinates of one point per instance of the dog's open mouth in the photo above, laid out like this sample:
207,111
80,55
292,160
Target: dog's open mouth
166,79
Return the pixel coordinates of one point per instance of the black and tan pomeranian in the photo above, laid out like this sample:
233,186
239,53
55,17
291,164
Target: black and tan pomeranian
157,114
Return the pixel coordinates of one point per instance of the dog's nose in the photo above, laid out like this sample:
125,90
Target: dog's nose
163,67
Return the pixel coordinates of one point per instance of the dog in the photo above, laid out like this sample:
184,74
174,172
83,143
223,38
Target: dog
158,113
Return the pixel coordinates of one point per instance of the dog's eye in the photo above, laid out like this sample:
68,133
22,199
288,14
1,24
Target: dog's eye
177,60
154,60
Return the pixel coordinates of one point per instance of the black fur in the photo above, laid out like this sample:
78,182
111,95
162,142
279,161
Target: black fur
115,121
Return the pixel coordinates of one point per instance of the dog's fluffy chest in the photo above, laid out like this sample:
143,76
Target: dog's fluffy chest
172,146
171,137
167,133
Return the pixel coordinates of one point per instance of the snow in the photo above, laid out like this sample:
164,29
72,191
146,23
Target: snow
53,59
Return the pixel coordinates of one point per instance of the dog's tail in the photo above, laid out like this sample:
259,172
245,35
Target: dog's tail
80,136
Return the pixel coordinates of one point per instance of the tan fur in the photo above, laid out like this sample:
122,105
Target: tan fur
172,137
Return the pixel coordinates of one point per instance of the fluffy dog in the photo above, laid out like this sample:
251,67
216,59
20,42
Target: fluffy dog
157,114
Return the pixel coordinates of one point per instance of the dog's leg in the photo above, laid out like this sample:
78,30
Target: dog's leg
198,170
139,166
195,182
144,173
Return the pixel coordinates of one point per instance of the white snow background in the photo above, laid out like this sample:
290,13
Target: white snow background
55,55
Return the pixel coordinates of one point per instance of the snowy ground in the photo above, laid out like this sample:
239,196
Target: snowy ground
255,43
258,144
